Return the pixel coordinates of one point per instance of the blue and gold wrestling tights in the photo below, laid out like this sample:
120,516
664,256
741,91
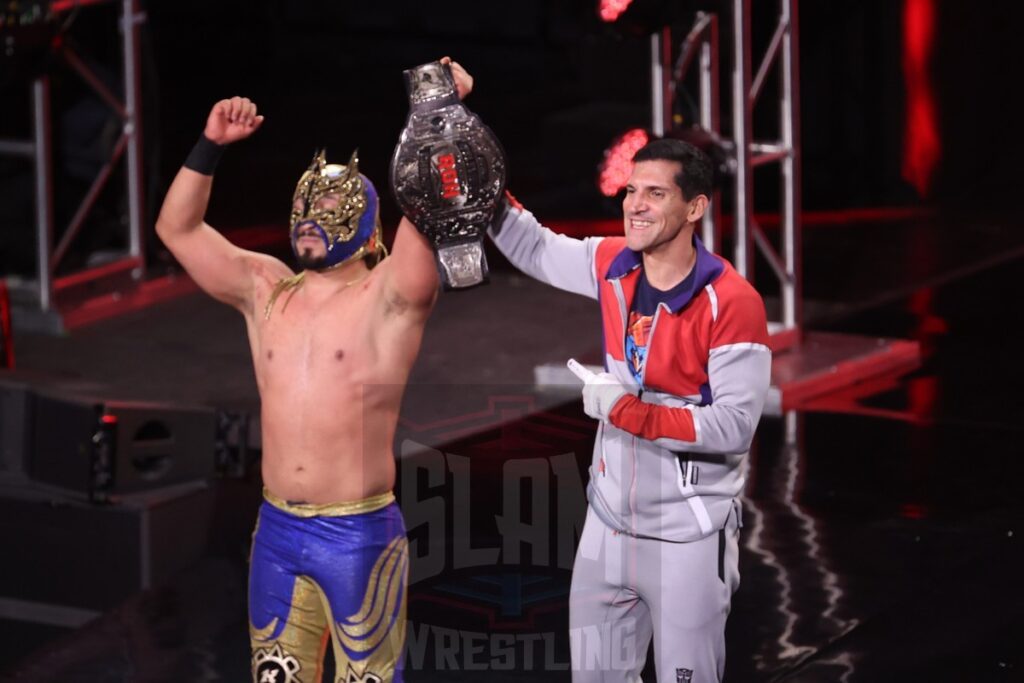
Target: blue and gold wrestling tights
328,572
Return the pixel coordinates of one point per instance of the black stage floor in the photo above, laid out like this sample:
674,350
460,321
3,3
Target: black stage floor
882,537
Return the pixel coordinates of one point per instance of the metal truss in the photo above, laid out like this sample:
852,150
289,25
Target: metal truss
47,288
745,153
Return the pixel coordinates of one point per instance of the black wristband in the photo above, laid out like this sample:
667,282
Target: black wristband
204,156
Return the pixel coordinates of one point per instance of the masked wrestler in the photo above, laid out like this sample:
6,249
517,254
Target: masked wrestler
332,348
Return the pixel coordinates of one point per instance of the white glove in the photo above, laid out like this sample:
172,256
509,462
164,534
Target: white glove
601,391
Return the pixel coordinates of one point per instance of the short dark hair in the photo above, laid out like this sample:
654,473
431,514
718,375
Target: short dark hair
696,175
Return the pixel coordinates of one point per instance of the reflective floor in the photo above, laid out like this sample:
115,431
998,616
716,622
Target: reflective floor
881,541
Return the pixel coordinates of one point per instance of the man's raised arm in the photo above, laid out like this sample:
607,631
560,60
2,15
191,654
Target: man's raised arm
221,269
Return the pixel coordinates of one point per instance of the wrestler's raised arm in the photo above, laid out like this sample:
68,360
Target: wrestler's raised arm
412,278
220,268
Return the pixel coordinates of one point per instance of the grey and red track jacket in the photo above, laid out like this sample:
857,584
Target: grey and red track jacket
671,460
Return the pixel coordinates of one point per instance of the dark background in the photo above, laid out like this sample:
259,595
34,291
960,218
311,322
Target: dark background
909,504
552,81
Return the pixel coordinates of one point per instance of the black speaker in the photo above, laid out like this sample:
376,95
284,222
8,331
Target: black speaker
15,426
70,553
106,448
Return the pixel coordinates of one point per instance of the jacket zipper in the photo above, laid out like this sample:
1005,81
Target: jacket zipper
621,299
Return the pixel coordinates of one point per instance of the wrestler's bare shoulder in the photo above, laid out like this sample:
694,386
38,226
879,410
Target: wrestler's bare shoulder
267,270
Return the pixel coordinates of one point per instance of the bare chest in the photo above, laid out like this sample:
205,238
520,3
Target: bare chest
310,343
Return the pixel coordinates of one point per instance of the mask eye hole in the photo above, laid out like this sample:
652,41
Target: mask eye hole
327,203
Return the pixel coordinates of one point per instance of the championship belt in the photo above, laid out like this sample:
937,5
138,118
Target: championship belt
447,174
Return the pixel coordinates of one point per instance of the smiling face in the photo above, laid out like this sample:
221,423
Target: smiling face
654,209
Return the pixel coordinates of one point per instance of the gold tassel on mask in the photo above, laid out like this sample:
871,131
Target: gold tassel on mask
289,283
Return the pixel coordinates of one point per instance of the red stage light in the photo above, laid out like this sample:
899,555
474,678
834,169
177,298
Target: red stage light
618,161
610,10
913,511
922,146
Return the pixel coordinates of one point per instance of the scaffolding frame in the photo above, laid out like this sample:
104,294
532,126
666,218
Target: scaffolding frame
47,287
806,364
745,152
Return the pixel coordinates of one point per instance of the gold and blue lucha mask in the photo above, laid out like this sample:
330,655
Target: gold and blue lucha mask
351,228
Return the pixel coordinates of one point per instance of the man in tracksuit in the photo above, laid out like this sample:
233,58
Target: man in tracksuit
687,368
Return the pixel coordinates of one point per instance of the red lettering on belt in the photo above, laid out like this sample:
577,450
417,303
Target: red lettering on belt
449,176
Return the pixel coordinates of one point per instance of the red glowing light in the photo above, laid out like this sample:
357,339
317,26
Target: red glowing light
618,161
109,419
921,145
610,10
913,511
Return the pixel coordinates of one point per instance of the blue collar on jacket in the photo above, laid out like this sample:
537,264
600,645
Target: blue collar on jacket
707,268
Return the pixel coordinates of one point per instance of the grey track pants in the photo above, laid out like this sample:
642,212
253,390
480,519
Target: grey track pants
627,591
